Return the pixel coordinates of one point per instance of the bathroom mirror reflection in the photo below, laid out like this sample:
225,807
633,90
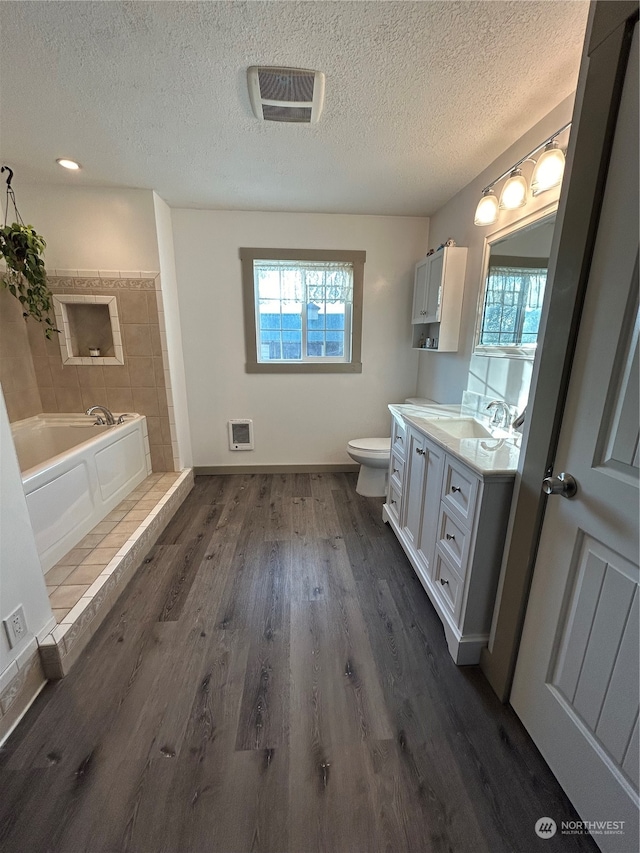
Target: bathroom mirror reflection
514,278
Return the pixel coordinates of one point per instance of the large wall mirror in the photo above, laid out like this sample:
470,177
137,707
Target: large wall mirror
514,278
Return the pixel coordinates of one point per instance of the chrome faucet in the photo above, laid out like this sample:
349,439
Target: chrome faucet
108,417
520,419
500,414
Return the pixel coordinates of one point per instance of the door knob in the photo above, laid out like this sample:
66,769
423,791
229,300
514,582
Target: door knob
563,484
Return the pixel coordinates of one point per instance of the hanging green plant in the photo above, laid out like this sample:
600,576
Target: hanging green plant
26,277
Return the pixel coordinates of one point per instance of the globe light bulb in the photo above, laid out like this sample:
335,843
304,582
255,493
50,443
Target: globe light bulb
514,192
549,169
487,209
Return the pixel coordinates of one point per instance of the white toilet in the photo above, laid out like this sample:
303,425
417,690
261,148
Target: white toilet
373,455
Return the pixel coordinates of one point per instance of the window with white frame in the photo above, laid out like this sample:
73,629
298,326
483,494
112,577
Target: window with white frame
303,310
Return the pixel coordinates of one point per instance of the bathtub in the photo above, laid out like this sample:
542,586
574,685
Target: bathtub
74,473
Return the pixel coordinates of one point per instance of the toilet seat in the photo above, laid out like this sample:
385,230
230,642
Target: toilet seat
372,445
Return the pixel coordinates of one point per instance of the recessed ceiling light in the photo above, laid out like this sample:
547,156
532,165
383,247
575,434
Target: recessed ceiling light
68,164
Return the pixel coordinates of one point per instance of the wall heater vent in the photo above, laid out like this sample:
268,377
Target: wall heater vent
240,434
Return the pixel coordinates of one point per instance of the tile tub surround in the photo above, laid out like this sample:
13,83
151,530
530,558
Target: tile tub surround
142,384
86,582
17,372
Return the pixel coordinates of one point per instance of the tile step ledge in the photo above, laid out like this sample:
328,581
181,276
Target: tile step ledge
61,648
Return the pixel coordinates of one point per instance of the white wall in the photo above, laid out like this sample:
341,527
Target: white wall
92,228
179,416
21,578
444,376
298,419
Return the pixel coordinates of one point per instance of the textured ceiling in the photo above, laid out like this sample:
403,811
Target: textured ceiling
420,96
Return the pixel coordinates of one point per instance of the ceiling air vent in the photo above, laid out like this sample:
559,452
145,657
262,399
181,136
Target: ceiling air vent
286,94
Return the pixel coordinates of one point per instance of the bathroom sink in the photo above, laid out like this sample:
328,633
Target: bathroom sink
464,428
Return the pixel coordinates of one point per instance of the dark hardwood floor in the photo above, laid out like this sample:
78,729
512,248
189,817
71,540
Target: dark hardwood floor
274,679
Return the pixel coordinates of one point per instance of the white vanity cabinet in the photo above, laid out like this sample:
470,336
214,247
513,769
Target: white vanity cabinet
423,479
437,297
396,469
471,528
451,521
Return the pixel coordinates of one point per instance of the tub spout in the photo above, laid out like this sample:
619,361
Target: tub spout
106,413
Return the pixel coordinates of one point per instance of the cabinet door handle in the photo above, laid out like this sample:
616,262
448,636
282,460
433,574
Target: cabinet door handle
420,451
398,438
395,470
450,536
455,488
393,502
444,582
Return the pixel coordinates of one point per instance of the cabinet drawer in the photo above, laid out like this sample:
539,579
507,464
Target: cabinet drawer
393,503
398,437
448,584
453,540
459,491
396,470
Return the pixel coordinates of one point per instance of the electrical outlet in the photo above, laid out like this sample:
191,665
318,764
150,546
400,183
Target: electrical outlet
16,626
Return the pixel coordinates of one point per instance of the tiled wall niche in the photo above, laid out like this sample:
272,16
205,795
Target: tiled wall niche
89,329
142,384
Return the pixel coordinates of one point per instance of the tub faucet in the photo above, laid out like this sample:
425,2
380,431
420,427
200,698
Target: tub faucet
501,413
108,417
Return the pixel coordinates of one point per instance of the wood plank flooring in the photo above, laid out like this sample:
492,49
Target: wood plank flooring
274,679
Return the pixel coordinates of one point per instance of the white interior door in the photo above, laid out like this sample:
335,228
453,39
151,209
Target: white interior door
576,683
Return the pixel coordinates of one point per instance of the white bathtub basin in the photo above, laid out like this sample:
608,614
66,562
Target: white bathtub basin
75,473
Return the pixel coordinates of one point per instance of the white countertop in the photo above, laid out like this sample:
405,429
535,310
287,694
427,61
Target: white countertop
488,457
431,410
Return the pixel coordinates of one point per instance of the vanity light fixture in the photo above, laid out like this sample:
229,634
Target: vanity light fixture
487,209
549,169
547,174
68,164
514,192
